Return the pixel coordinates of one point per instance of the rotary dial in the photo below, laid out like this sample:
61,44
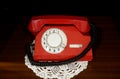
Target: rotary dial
54,40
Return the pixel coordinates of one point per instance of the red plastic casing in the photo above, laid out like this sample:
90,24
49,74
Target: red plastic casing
77,31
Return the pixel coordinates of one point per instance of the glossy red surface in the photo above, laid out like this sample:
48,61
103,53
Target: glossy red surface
75,35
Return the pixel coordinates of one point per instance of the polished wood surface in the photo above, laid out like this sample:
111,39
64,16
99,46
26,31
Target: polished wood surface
106,53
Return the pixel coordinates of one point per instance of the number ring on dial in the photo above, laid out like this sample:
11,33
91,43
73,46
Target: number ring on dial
54,40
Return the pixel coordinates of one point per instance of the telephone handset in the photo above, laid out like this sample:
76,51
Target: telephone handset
60,39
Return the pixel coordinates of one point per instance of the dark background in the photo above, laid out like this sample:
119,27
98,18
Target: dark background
14,19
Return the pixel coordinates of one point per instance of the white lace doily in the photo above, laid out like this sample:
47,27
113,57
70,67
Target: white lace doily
66,71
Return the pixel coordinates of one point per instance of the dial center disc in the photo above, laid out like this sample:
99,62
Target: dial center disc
54,40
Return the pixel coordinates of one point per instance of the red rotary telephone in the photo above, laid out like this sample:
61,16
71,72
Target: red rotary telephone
60,38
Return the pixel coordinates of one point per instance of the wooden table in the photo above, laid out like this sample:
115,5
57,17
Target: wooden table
106,53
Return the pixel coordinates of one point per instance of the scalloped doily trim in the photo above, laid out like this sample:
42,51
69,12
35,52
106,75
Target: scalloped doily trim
59,72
